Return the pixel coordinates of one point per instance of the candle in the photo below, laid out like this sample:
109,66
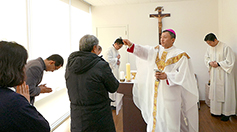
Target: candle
122,75
128,74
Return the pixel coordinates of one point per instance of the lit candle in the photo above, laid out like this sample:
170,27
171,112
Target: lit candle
128,74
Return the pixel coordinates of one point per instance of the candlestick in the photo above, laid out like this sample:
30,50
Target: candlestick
133,73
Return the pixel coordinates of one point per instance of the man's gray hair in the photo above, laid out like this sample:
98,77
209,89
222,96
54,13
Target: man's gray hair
87,42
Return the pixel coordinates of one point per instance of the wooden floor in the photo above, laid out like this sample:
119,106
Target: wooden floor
207,123
118,120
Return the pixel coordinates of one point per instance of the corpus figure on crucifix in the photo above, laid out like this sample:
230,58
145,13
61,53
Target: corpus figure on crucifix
159,16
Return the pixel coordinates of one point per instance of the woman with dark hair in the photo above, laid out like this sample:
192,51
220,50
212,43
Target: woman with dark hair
16,113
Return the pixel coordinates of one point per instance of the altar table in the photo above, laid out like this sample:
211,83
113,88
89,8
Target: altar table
132,118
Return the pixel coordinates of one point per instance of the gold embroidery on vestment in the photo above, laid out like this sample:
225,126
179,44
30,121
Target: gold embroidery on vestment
161,64
154,105
157,47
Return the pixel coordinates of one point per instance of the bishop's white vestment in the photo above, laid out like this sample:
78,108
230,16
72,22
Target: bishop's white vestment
166,105
111,58
222,84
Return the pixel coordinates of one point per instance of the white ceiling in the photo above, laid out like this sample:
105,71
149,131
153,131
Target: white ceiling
123,2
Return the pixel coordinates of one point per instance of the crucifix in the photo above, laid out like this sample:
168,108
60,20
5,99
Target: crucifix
159,16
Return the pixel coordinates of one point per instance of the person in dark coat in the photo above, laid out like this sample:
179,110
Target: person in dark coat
16,113
88,80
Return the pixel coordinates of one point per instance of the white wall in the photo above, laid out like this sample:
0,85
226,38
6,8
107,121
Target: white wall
227,23
191,19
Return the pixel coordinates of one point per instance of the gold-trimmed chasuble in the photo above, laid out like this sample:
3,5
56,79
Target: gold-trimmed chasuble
161,64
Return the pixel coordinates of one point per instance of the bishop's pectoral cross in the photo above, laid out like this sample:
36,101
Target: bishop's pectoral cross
160,16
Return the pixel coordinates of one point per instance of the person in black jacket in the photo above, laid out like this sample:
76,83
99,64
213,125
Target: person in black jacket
16,113
88,80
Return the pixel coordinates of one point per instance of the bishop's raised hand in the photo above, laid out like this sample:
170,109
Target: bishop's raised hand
127,42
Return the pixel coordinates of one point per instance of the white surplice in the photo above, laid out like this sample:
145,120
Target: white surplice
177,102
222,86
111,58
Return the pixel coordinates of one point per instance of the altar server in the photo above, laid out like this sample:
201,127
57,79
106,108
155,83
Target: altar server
112,56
